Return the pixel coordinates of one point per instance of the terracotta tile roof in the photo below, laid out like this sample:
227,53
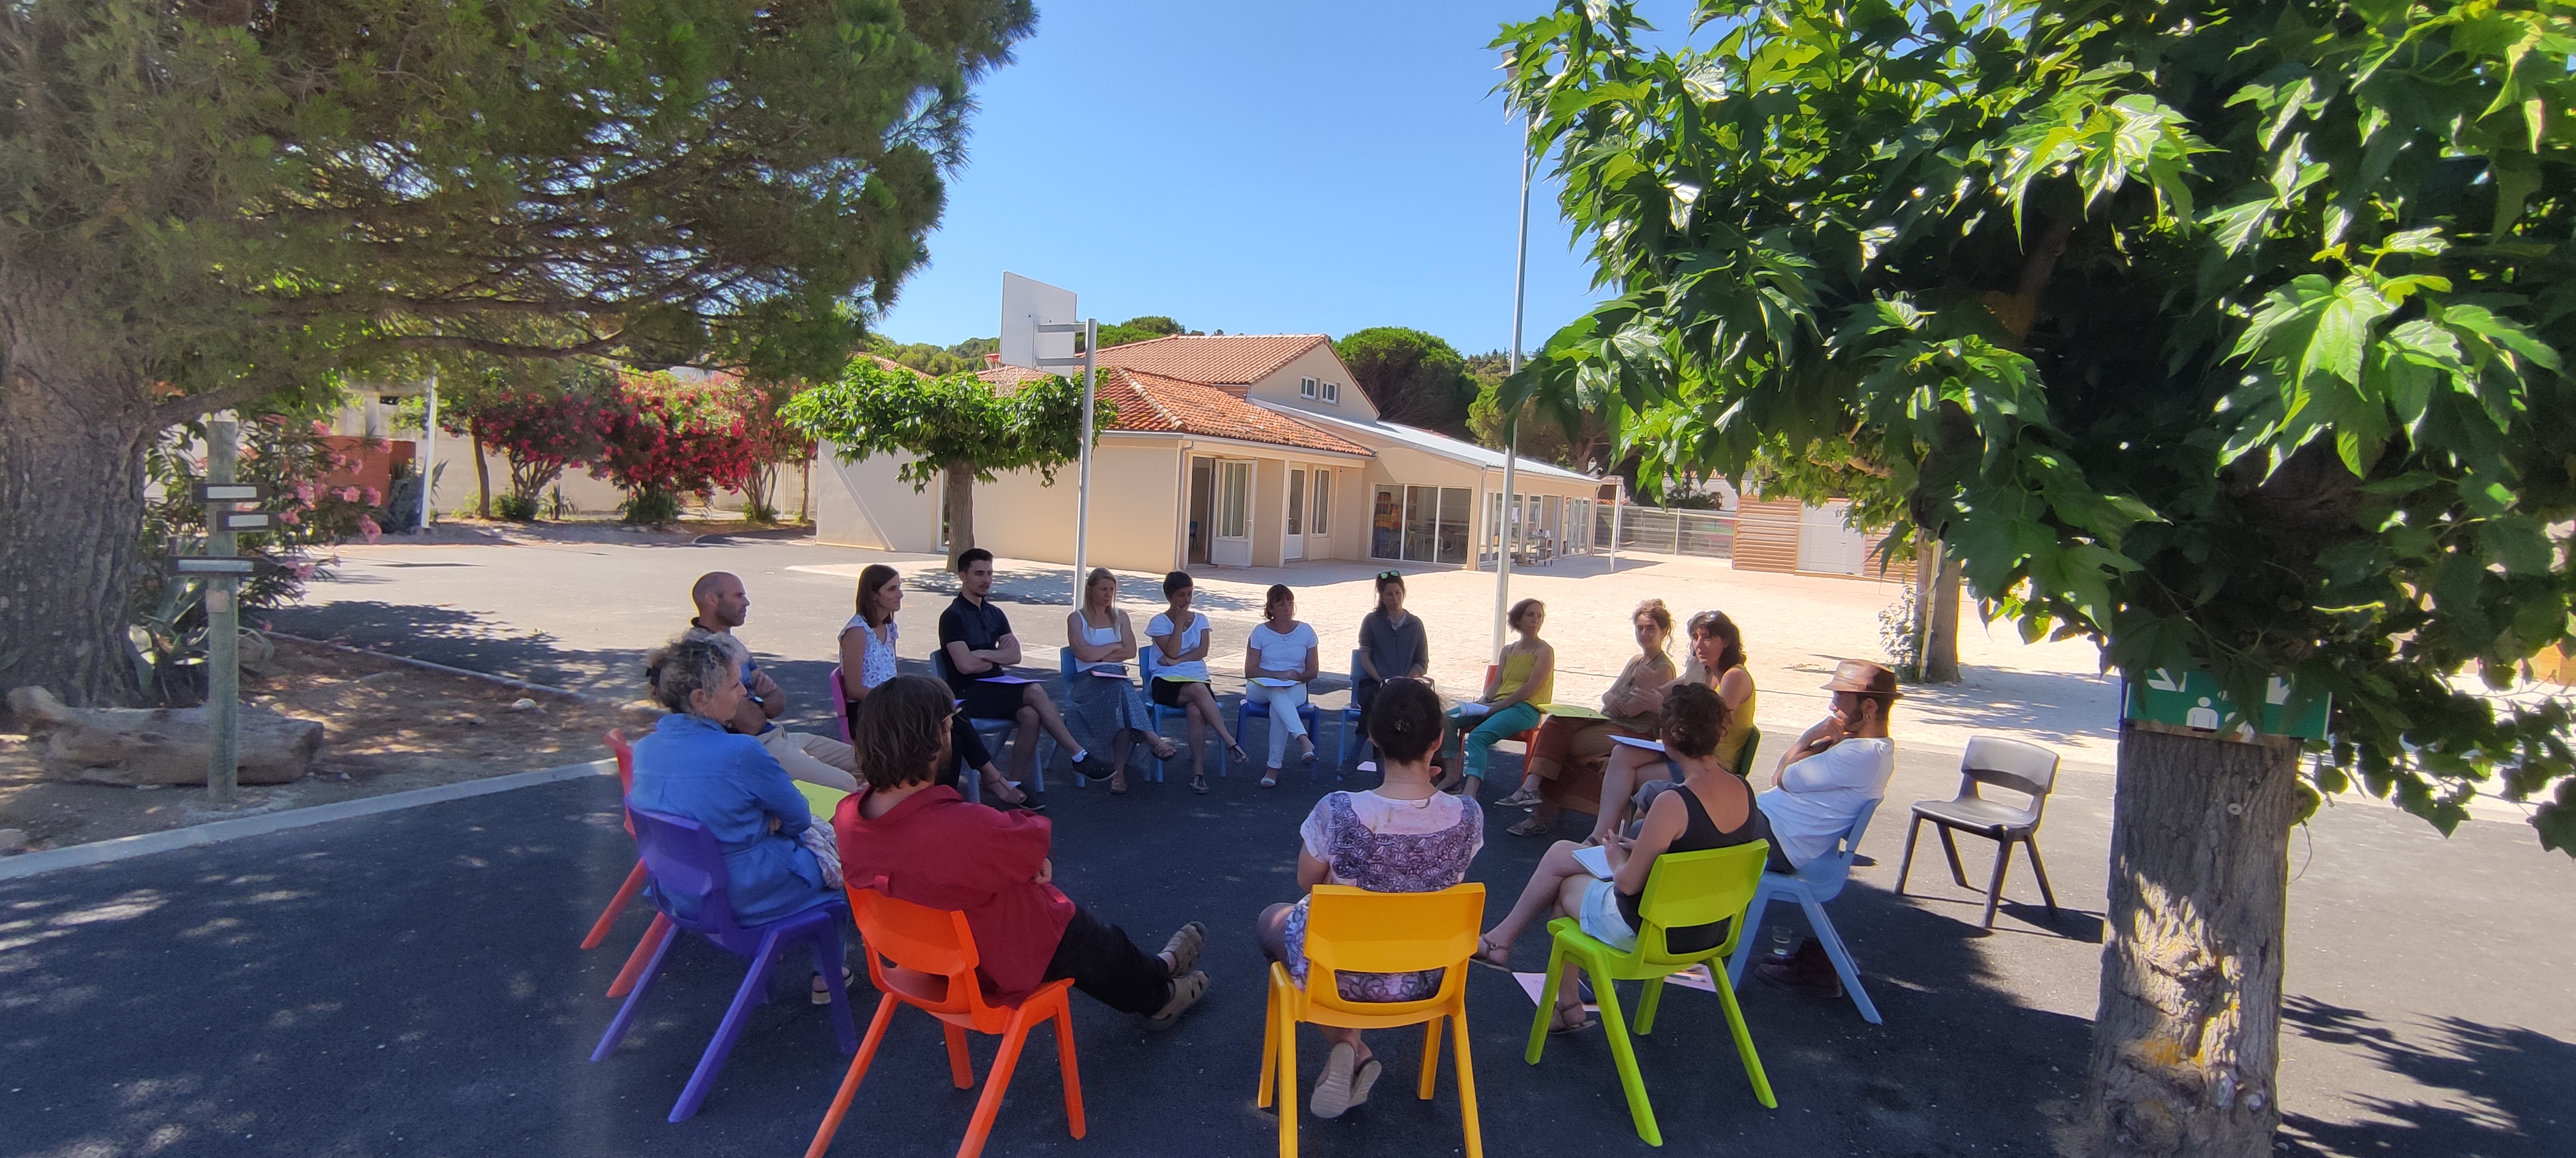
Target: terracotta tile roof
1212,359
1153,403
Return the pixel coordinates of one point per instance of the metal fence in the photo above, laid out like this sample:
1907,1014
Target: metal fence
1666,531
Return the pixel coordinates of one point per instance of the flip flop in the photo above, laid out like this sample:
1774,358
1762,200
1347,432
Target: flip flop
1531,827
824,996
1557,1026
1270,779
1198,784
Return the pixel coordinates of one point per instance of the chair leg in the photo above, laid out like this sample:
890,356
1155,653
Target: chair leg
754,991
2030,844
960,1071
616,905
1749,937
1835,951
1744,1050
1624,1055
1287,1030
1430,1059
1958,872
644,982
1269,1045
828,955
1546,1000
1652,997
850,1082
996,1083
1065,1062
1467,1085
1995,884
655,935
1905,867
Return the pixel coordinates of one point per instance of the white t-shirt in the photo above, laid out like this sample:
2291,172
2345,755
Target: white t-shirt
1820,796
1190,636
1283,652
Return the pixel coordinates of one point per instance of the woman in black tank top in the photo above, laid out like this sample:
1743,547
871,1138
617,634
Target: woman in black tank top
1715,810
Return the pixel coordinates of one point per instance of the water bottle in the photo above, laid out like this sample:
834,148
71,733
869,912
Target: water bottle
1784,943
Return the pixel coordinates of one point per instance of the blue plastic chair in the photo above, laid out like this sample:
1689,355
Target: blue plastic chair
1350,720
1252,709
1000,732
685,861
1153,768
970,783
1146,663
1816,882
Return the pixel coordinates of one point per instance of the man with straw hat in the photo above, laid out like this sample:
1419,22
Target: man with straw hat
1821,785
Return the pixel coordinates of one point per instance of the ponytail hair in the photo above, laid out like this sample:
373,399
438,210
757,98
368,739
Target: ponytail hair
1404,720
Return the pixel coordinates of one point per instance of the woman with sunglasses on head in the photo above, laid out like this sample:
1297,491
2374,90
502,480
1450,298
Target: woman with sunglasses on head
1393,645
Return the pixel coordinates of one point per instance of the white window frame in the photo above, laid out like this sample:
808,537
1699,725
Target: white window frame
1333,393
1233,503
1317,522
1305,388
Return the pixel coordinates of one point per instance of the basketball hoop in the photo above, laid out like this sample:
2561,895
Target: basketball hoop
1037,334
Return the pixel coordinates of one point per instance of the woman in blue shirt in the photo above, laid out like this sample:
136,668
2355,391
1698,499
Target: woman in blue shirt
778,861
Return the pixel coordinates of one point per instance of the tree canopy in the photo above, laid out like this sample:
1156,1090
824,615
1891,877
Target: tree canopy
224,205
1412,377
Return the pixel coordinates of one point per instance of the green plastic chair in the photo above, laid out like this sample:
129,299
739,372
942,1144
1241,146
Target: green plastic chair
1683,890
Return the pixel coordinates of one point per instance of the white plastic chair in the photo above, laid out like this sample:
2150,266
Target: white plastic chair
1816,882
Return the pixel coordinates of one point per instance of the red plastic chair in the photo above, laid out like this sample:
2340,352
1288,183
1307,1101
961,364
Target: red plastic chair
925,958
660,929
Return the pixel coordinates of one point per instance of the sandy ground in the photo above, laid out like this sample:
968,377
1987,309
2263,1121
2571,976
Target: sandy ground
390,727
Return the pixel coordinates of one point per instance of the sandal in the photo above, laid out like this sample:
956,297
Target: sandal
1270,779
1490,955
1521,798
1236,753
1558,1026
822,995
1531,827
1118,782
1198,784
1344,1083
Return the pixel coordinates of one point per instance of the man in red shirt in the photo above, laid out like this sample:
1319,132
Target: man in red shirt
917,841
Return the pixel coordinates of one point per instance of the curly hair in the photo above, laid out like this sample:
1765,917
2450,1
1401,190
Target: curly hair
1655,611
679,669
902,731
1693,721
1404,720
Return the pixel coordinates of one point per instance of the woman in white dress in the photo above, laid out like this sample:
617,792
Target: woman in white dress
1106,711
867,659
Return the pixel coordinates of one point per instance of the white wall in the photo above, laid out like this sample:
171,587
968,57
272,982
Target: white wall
863,504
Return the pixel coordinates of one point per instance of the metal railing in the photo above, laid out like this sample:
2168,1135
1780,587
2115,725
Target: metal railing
1667,531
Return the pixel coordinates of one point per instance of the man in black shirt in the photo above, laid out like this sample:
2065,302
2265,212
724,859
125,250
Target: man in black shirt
976,642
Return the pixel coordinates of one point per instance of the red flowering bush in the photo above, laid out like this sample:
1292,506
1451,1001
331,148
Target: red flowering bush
541,433
661,438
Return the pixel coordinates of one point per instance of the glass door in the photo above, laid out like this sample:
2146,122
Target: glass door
1233,547
1293,546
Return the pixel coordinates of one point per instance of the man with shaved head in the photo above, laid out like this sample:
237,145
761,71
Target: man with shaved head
722,606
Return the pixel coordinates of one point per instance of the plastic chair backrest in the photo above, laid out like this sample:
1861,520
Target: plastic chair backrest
1064,664
625,753
924,940
1355,667
840,701
686,862
2015,765
1353,930
1752,747
1686,889
1825,875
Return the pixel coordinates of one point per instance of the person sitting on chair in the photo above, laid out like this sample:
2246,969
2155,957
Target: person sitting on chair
1524,679
1107,709
1393,645
976,639
722,606
1821,785
1279,660
1712,809
1181,638
1404,836
867,659
1630,708
1717,663
915,841
778,860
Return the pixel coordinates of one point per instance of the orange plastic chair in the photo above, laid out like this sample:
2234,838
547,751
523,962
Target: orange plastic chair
1354,930
925,958
661,926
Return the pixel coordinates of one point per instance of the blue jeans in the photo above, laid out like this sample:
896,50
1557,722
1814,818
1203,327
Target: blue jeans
1496,728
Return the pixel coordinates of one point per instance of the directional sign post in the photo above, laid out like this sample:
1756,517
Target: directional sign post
223,610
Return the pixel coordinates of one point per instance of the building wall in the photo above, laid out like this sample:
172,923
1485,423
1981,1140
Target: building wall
1323,365
1134,505
1766,534
863,504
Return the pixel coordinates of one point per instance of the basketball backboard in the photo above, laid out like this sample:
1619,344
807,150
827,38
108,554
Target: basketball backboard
1027,305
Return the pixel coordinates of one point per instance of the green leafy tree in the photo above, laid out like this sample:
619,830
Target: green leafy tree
965,357
212,205
2224,334
1144,329
1410,376
958,429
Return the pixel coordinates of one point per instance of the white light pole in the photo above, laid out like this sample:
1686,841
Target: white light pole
1512,422
428,446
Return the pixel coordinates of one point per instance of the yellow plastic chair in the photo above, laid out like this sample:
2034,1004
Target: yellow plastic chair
1684,889
824,802
1352,930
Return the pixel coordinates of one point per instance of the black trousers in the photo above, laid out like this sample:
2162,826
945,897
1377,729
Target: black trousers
963,743
1364,693
1103,963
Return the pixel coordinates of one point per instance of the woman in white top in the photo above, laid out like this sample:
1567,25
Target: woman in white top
1180,674
1401,837
1277,661
1105,709
867,659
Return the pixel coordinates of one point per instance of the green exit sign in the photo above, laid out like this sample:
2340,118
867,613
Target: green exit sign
2191,698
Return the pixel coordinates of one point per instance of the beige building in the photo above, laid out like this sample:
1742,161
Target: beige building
1234,450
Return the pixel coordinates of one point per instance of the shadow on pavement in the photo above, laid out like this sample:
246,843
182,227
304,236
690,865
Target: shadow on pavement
2508,1087
466,640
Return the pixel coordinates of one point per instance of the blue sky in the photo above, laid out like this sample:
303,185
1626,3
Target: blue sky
1256,168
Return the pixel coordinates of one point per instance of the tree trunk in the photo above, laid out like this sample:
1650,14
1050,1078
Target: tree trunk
959,479
482,479
1940,656
2186,1041
132,746
72,436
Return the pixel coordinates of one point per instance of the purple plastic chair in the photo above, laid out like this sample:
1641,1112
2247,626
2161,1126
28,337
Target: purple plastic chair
685,861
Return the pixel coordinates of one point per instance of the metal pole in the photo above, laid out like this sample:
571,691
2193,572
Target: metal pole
1618,490
1512,424
1082,492
428,446
223,625
1677,529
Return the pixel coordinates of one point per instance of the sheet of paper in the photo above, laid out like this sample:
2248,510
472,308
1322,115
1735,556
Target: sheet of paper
1574,711
1115,672
1594,859
1531,983
1004,679
1649,745
1472,711
1270,682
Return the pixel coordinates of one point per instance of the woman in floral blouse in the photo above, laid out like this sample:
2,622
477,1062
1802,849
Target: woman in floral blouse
1401,837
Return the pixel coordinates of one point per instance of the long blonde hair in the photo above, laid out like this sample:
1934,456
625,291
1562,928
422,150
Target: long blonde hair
1093,580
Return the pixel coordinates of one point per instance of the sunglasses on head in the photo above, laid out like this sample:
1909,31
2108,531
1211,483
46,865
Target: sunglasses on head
1390,574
